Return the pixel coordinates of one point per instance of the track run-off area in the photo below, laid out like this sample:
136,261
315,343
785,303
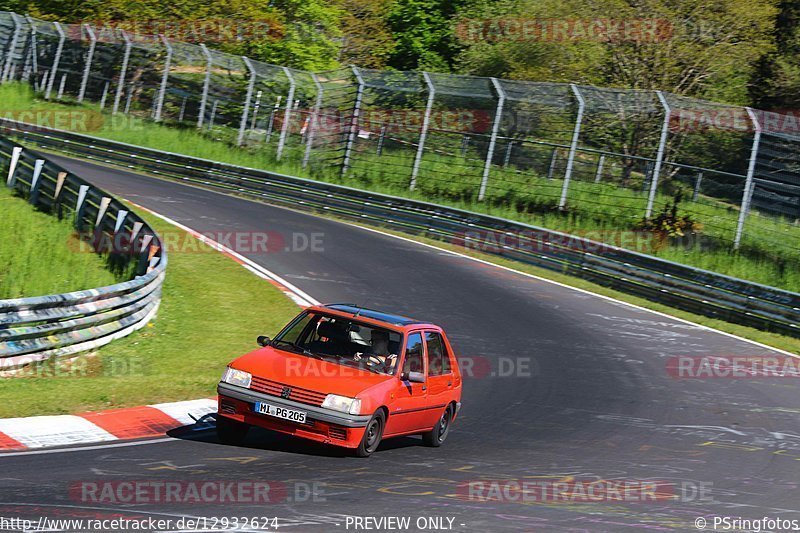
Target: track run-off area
562,387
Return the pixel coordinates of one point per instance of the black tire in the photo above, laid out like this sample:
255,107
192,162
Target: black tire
435,437
372,435
230,431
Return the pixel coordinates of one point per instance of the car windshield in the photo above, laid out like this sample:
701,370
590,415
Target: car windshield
341,340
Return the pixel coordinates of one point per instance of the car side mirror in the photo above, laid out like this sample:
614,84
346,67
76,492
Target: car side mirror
263,340
415,377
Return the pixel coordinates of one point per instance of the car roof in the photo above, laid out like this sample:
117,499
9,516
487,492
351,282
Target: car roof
388,318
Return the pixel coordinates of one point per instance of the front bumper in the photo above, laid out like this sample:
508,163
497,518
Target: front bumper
322,425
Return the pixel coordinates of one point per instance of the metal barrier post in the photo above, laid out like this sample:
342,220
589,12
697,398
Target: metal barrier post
698,181
33,196
599,174
552,168
662,143
88,68
424,130
748,186
314,124
287,114
16,152
162,90
351,137
246,111
56,60
123,72
201,115
498,117
12,46
31,67
573,146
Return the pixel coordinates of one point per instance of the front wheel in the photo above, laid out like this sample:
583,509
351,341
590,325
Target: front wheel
372,435
435,437
231,431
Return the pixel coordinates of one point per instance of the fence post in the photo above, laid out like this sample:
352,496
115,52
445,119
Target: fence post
31,67
123,72
423,133
498,117
201,115
12,47
697,183
162,90
89,57
256,108
287,114
56,60
748,186
314,124
552,168
351,137
662,143
507,158
599,174
573,146
381,140
246,111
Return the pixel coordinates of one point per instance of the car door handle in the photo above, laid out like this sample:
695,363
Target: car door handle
449,383
424,388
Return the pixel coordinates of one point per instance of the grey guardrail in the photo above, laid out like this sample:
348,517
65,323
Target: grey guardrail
673,284
38,328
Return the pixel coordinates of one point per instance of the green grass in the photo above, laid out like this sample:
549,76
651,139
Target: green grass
212,311
770,253
40,255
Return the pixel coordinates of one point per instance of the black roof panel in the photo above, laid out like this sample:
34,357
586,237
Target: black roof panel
375,315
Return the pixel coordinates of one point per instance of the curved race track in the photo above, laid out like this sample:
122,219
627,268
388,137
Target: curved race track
598,403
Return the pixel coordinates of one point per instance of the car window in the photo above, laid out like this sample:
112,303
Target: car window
413,361
438,358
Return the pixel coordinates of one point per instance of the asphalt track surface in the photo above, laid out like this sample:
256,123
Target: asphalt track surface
597,403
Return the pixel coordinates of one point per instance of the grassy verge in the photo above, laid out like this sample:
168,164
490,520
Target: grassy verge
769,253
38,254
212,311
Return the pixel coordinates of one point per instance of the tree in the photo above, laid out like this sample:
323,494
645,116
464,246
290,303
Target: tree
367,39
776,84
423,33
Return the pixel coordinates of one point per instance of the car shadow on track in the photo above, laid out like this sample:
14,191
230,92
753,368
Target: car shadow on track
204,431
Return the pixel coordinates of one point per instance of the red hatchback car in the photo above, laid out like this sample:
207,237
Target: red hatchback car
343,375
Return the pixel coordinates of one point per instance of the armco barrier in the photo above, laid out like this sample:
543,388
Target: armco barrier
666,282
35,329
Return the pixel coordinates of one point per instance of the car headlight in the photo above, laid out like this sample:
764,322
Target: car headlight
343,404
237,377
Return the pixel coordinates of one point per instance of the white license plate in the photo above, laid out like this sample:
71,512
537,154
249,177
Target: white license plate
280,412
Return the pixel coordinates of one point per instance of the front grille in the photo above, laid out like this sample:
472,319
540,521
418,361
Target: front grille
337,432
298,394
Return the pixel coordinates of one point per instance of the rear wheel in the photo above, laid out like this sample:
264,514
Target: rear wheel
372,435
436,436
230,431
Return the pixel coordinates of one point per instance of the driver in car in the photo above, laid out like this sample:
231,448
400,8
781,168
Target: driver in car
379,350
